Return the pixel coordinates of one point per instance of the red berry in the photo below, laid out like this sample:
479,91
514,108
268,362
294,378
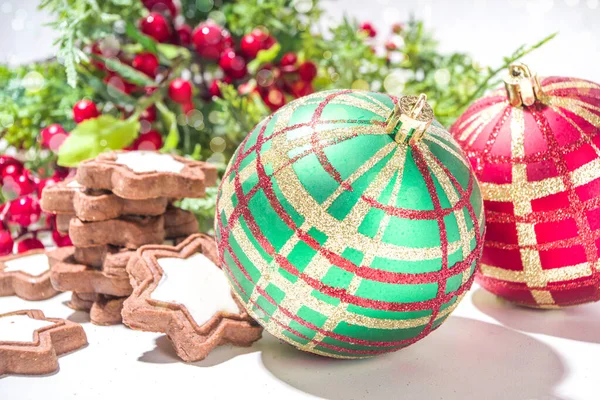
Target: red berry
307,71
53,136
96,50
274,98
45,183
6,243
250,46
301,88
390,46
146,63
151,140
11,172
24,211
156,26
214,89
184,33
161,6
266,40
209,40
29,244
24,185
180,91
149,114
60,173
288,59
5,161
369,29
397,28
232,64
60,239
84,109
115,81
227,39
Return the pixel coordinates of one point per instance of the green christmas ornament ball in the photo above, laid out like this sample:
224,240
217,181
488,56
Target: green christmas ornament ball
349,223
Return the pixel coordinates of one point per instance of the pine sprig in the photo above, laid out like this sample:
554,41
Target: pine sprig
82,22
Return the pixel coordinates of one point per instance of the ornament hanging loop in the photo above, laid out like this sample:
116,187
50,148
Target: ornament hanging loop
410,119
522,86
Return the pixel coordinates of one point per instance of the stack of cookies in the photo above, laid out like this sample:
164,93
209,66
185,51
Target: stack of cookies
118,202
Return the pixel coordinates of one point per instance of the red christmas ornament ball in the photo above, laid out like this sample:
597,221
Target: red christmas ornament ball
539,169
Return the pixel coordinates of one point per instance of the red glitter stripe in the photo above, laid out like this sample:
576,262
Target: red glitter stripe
316,145
441,284
583,227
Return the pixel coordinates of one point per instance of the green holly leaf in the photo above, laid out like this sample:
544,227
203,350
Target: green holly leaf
263,57
170,121
128,73
146,41
96,136
170,52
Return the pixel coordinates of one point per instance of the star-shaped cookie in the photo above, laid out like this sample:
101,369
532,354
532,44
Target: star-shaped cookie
141,175
182,292
30,343
26,275
111,278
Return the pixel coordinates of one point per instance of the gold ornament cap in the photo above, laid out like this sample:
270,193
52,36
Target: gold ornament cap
410,119
522,86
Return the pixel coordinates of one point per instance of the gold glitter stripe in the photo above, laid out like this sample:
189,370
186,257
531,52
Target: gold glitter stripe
572,105
586,173
543,298
431,139
548,275
481,120
517,128
577,84
523,191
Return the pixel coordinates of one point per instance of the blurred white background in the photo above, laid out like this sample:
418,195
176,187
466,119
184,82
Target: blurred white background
487,29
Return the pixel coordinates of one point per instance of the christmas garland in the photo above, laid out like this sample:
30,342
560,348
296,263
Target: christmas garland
195,76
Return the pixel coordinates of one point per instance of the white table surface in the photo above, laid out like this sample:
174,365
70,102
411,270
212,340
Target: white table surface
487,349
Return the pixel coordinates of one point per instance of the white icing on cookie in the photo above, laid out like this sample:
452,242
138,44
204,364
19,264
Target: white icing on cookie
20,328
198,284
149,161
34,264
74,184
